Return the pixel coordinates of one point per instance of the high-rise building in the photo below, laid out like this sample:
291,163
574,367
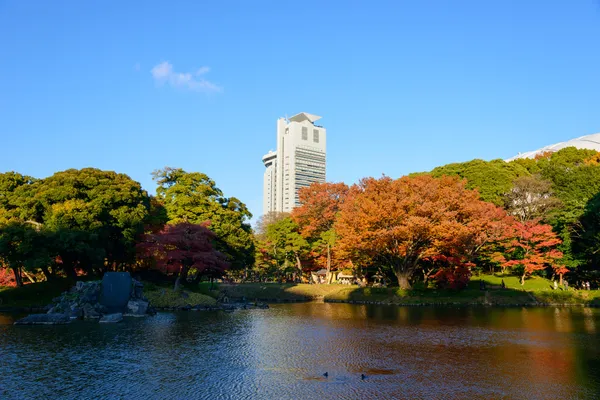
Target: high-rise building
299,161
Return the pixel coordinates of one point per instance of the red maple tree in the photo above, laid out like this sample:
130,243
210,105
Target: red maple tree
181,247
533,247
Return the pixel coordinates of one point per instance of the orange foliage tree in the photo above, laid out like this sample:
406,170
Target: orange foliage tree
533,246
316,216
402,222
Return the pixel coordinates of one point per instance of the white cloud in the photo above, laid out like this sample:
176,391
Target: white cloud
163,73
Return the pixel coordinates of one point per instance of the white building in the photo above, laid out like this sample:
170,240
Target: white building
591,142
299,161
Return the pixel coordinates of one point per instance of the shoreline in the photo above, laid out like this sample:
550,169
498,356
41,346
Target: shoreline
249,305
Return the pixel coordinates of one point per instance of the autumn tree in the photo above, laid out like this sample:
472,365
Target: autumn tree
319,207
533,247
194,197
180,247
402,222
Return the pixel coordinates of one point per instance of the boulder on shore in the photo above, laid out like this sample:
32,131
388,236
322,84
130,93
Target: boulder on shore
111,318
44,319
136,308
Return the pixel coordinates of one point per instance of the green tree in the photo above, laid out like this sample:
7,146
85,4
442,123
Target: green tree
194,197
94,216
9,182
286,245
492,178
23,247
586,238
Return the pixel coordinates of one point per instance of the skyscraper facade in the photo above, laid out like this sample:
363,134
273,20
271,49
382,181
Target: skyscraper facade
300,159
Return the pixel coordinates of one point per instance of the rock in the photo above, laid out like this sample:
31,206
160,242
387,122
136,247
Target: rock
89,312
79,286
76,313
44,319
111,318
138,288
116,290
137,308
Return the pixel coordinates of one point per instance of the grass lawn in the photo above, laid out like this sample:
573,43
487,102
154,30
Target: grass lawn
280,291
32,295
535,290
166,297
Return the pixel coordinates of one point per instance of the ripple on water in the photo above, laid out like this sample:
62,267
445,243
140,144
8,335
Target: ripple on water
282,353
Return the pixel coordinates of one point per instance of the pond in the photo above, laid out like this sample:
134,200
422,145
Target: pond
282,353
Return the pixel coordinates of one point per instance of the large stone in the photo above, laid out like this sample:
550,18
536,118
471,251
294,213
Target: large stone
138,288
44,319
116,289
76,313
111,318
137,308
89,312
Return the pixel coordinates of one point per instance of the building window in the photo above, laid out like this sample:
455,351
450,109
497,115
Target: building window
304,133
315,136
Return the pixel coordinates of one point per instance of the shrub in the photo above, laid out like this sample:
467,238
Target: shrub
456,277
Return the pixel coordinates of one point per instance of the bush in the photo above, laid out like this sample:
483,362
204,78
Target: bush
7,278
456,278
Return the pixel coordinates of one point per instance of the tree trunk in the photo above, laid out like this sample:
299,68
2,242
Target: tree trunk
18,278
329,276
33,280
560,281
403,281
523,280
47,273
298,263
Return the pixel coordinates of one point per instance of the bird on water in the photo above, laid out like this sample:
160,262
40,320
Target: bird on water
326,374
363,376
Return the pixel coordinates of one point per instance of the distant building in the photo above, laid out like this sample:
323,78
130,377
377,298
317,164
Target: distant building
299,161
591,142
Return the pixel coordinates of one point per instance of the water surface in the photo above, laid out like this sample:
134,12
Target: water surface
281,353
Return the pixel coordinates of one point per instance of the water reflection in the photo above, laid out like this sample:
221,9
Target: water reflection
281,353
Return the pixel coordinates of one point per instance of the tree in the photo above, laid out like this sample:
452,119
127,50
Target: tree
405,221
22,248
94,215
533,247
531,197
9,182
267,219
181,247
194,197
285,244
319,206
586,238
491,178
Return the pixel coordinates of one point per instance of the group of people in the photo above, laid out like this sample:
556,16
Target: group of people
580,285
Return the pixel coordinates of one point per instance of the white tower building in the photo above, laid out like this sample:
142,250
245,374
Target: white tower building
299,161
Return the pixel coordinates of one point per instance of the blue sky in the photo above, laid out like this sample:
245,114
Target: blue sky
402,86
